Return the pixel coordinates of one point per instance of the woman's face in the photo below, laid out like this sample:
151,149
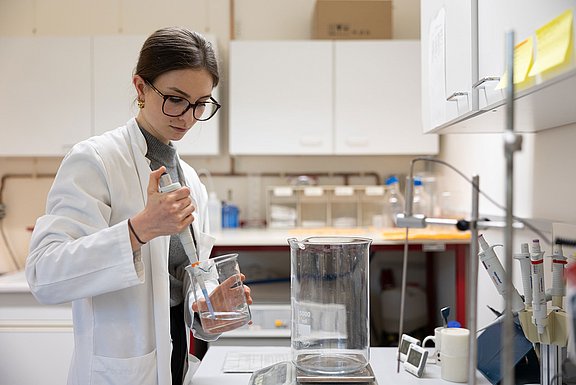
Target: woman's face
192,84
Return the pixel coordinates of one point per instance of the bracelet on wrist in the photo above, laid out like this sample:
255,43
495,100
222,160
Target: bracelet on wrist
134,232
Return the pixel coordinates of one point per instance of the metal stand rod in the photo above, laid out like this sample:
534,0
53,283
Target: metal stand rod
511,144
551,359
472,289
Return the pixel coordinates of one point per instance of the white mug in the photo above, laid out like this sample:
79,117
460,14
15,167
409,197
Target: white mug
436,338
455,342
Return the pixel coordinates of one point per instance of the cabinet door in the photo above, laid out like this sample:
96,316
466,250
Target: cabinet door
45,97
280,97
115,59
377,99
45,345
448,52
495,19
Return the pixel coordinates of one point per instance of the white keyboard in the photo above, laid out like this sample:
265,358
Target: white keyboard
248,362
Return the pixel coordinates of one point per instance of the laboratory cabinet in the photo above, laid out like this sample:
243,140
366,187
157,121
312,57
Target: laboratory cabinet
57,91
36,341
45,98
280,98
326,98
542,101
377,99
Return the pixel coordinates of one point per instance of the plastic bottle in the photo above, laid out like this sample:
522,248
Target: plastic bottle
421,200
214,212
393,201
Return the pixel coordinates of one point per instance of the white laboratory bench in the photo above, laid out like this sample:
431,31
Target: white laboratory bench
430,241
32,332
382,360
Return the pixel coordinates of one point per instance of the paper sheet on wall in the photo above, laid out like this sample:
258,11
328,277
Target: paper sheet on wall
553,42
523,53
437,69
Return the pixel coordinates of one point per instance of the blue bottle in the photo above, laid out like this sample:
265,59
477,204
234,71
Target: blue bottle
230,214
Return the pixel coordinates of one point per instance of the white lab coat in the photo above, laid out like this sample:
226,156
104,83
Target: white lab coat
80,252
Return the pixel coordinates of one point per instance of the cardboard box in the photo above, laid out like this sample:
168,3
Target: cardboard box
353,19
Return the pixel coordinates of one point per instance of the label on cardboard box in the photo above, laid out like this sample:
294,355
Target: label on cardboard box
353,19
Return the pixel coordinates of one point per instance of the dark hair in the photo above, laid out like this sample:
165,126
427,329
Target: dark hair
175,48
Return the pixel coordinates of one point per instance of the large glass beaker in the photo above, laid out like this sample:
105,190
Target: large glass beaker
330,304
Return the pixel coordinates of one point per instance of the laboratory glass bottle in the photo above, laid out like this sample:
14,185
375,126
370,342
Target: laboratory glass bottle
330,304
421,203
393,201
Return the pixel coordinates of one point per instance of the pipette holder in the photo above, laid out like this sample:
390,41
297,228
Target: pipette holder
555,332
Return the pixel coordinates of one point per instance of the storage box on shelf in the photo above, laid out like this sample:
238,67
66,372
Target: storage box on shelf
353,19
324,206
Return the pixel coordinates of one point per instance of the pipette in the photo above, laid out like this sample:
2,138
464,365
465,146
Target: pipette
558,263
539,315
496,272
166,185
524,258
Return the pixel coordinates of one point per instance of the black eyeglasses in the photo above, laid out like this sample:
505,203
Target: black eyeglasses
175,106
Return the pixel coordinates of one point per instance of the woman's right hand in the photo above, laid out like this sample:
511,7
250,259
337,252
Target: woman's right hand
165,213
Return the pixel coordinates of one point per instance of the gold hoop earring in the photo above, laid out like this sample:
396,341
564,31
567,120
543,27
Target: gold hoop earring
140,103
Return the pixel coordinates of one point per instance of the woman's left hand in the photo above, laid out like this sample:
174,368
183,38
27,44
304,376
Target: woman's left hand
220,298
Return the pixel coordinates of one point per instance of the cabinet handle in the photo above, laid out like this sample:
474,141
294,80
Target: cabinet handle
311,141
360,141
455,95
486,79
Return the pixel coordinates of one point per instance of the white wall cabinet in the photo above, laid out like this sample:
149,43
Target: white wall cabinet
280,98
377,99
326,98
521,16
57,91
45,97
544,101
448,52
114,60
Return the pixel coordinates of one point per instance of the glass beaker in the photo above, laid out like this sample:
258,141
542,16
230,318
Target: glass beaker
219,293
330,304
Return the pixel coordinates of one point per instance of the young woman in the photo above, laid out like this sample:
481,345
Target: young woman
107,243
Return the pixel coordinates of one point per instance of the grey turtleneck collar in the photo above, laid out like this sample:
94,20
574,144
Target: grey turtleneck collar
161,154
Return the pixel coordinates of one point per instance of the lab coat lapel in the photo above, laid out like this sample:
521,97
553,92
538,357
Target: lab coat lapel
158,249
138,148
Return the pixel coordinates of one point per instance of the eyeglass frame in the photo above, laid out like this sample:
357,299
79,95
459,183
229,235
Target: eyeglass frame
190,105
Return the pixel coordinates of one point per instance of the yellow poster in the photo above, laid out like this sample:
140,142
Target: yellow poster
553,43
